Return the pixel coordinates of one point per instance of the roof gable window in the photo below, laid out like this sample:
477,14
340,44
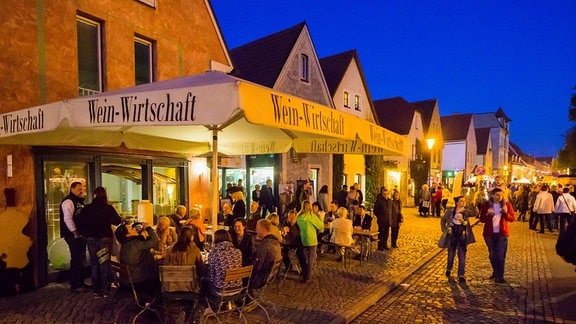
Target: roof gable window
304,68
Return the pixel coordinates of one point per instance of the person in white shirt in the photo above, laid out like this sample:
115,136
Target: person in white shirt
342,230
565,208
543,207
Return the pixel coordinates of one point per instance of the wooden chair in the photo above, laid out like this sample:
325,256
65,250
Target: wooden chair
180,283
257,296
229,300
121,271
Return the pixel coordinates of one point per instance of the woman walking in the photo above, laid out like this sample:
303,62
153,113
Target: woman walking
459,234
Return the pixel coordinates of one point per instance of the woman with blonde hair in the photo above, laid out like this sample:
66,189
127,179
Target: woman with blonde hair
167,236
309,223
424,206
199,228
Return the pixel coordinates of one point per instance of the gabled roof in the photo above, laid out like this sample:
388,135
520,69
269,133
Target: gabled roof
262,60
334,68
455,127
426,107
500,113
395,114
482,138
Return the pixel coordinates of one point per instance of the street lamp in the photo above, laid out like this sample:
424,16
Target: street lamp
430,144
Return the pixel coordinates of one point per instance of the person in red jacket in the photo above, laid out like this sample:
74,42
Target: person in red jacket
438,200
496,214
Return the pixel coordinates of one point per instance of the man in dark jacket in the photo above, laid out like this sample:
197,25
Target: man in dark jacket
382,211
266,201
266,255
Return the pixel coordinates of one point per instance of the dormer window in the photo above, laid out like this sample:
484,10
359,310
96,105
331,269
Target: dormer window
346,99
357,102
304,68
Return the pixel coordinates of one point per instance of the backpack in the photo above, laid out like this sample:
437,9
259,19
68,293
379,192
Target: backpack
566,244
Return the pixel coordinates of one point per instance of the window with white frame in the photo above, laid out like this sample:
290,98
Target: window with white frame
357,102
304,68
346,99
143,61
89,34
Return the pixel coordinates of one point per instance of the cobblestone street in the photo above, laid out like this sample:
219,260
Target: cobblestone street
428,296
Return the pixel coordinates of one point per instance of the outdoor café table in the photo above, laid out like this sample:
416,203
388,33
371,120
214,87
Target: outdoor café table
365,240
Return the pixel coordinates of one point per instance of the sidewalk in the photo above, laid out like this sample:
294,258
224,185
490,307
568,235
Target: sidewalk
334,295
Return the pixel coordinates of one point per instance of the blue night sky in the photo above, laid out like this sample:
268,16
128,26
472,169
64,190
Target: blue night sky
473,56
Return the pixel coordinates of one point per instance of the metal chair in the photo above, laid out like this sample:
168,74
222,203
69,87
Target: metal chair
122,271
229,299
180,283
294,263
259,299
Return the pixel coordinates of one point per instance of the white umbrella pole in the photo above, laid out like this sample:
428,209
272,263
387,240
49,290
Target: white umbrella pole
215,184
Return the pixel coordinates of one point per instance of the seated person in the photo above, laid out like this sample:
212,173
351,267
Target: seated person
137,242
266,255
292,239
254,216
185,252
341,231
243,241
167,236
361,219
223,256
199,227
275,220
227,215
179,218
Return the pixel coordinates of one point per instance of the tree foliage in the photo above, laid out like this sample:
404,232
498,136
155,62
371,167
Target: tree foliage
375,171
337,174
567,155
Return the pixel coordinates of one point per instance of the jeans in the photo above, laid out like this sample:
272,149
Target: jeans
497,247
77,248
100,273
565,220
457,245
310,260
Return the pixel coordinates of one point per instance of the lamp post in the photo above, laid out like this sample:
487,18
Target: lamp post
430,144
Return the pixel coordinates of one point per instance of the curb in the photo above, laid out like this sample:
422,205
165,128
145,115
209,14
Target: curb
357,308
348,315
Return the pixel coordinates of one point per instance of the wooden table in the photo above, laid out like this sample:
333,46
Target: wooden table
365,237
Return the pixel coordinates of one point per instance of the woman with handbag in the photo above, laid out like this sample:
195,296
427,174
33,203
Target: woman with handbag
459,234
424,206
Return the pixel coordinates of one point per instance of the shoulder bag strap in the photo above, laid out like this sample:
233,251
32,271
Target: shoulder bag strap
566,203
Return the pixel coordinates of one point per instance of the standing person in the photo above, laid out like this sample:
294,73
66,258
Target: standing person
533,220
256,193
353,200
302,193
343,196
455,222
360,194
238,205
383,211
543,207
496,214
323,198
565,208
267,201
69,207
396,218
521,202
95,223
424,205
309,224
445,197
438,200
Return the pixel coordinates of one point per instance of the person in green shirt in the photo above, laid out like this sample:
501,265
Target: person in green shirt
310,224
